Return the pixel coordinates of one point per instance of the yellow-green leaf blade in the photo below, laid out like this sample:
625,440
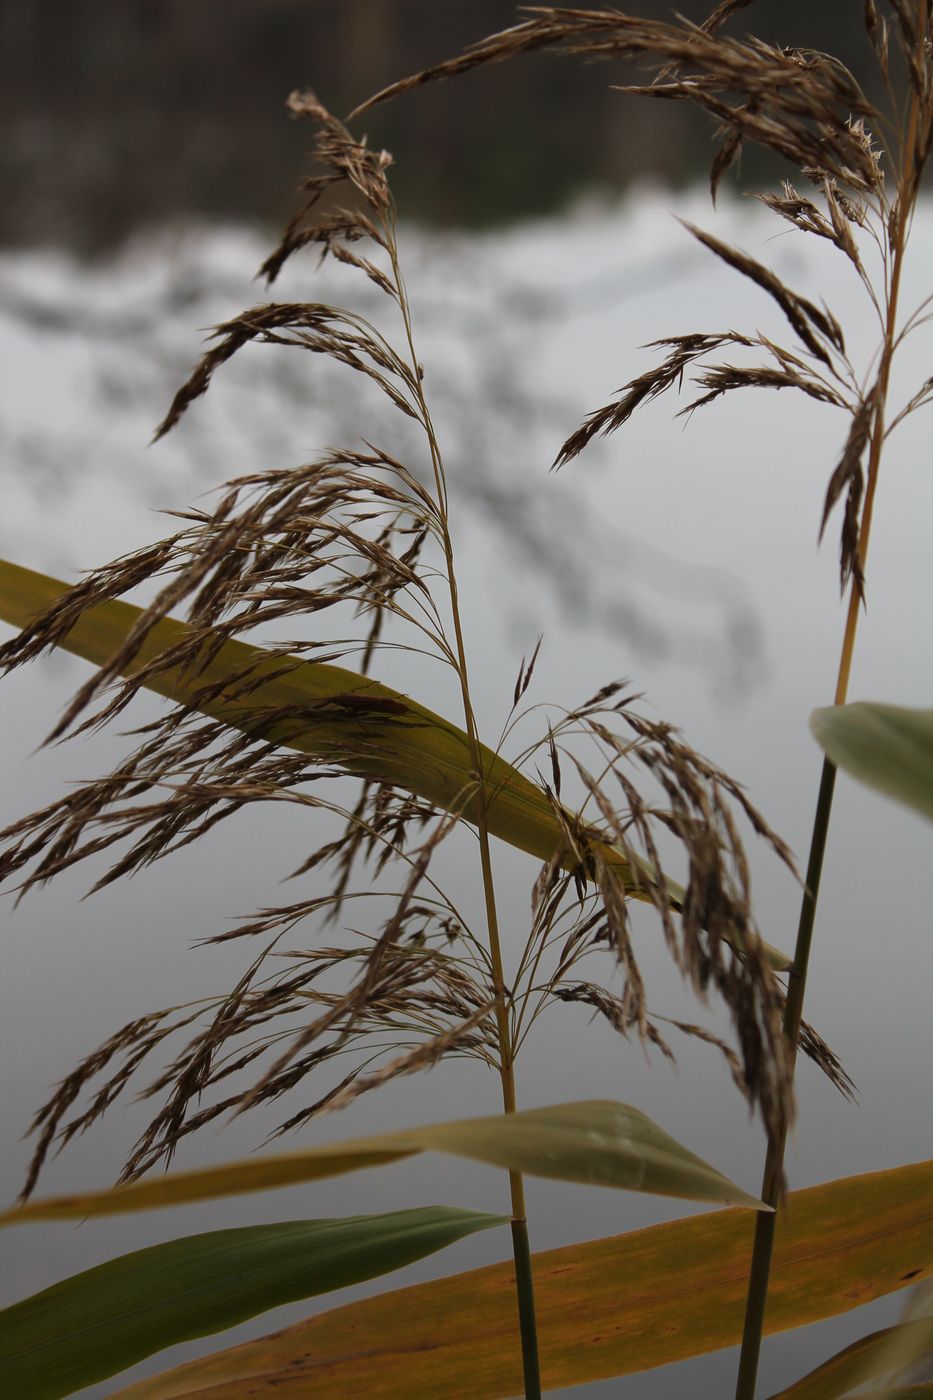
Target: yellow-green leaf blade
859,1363
98,1323
605,1308
889,747
889,1356
917,1390
597,1143
209,1183
410,746
594,1143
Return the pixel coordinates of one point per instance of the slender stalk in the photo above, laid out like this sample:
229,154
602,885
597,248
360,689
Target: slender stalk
766,1224
524,1281
521,1251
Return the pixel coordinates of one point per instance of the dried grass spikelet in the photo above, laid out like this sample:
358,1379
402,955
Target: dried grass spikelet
279,544
410,987
346,532
423,986
342,336
693,803
358,531
344,161
794,102
807,108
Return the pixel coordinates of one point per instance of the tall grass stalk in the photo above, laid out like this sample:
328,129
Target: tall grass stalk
771,1187
818,117
521,1248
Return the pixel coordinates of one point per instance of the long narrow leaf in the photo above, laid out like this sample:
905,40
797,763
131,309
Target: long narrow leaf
99,1322
886,746
914,1390
598,1143
888,1357
399,741
606,1308
411,746
862,1361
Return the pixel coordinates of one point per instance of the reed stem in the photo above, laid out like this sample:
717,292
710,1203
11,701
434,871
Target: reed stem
772,1182
765,1222
524,1285
521,1250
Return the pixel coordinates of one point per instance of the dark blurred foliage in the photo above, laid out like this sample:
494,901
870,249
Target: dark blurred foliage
122,113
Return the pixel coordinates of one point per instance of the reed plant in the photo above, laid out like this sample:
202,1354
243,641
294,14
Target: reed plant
612,805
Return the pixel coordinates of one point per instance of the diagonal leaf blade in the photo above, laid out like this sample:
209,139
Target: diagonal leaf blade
411,746
406,744
913,1390
888,747
99,1322
605,1308
597,1143
860,1362
887,1358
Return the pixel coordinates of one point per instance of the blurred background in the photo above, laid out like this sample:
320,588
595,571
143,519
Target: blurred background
121,114
148,163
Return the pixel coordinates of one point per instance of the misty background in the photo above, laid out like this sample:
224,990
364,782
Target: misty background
121,114
148,163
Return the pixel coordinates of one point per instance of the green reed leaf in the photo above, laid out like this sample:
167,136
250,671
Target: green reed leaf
101,1321
605,1308
888,747
598,1143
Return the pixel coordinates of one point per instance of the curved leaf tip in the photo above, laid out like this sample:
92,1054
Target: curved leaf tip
889,747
